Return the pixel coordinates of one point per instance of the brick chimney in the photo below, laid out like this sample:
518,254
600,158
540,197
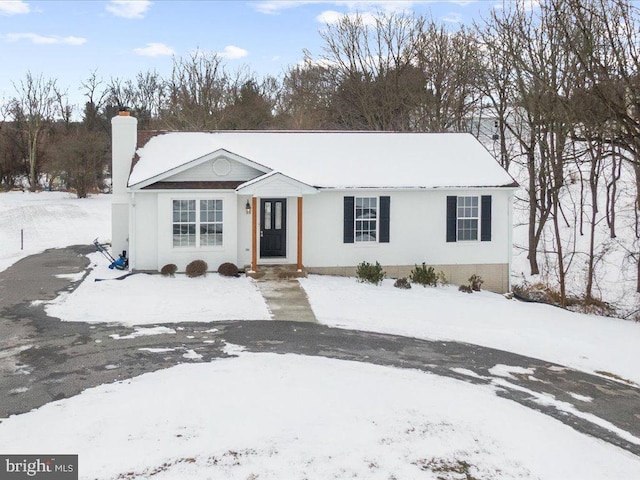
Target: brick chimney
124,134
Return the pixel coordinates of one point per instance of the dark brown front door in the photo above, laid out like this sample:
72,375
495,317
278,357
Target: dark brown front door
273,227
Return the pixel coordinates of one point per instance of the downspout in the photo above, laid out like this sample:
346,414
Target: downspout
132,231
510,237
299,259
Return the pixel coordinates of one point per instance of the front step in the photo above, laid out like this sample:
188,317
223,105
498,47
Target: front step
277,272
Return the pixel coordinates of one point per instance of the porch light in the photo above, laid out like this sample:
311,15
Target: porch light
247,208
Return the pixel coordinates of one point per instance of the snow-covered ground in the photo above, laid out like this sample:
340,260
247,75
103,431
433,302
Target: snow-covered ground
267,416
286,416
586,342
151,299
49,220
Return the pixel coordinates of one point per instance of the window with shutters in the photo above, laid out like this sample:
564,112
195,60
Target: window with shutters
367,220
469,218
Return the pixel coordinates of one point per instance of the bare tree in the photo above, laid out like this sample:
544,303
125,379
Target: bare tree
34,109
374,71
451,68
608,49
496,84
305,102
197,92
80,155
96,94
144,96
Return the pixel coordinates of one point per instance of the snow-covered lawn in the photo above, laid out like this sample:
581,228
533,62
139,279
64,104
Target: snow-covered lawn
586,342
143,299
267,416
49,220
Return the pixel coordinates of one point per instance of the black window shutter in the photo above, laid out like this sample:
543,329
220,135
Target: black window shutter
485,219
385,210
452,206
348,219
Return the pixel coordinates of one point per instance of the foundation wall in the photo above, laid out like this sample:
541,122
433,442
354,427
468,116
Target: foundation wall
495,275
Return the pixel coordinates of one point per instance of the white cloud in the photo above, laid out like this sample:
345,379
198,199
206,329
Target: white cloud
271,7
330,17
233,53
154,49
128,8
45,39
13,7
275,6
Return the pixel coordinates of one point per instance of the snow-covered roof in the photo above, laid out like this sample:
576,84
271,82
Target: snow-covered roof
336,159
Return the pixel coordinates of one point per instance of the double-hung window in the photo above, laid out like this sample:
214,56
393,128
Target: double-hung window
197,223
467,226
366,219
210,222
184,223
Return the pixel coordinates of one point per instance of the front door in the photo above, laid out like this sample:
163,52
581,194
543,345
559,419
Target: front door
273,227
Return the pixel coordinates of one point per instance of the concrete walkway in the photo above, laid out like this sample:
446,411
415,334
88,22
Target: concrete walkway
287,301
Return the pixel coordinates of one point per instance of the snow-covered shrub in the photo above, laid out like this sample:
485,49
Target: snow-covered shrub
402,283
368,273
197,268
465,289
228,269
169,270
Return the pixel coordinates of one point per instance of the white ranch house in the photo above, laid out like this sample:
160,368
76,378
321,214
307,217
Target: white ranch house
324,201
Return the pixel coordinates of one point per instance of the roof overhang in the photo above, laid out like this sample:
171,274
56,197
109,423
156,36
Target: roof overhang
275,184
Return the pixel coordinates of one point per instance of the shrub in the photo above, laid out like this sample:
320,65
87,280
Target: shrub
228,269
465,289
538,292
197,268
402,283
475,282
441,278
370,273
169,270
424,275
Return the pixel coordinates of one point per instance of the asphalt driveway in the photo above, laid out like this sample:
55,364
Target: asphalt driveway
44,359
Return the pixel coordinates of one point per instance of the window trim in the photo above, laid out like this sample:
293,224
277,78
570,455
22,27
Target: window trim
209,222
181,223
477,218
198,223
377,220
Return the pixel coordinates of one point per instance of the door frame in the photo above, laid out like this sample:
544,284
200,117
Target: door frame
282,252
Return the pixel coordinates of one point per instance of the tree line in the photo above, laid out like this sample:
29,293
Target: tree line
553,91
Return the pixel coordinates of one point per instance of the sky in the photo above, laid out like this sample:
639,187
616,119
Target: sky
67,40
